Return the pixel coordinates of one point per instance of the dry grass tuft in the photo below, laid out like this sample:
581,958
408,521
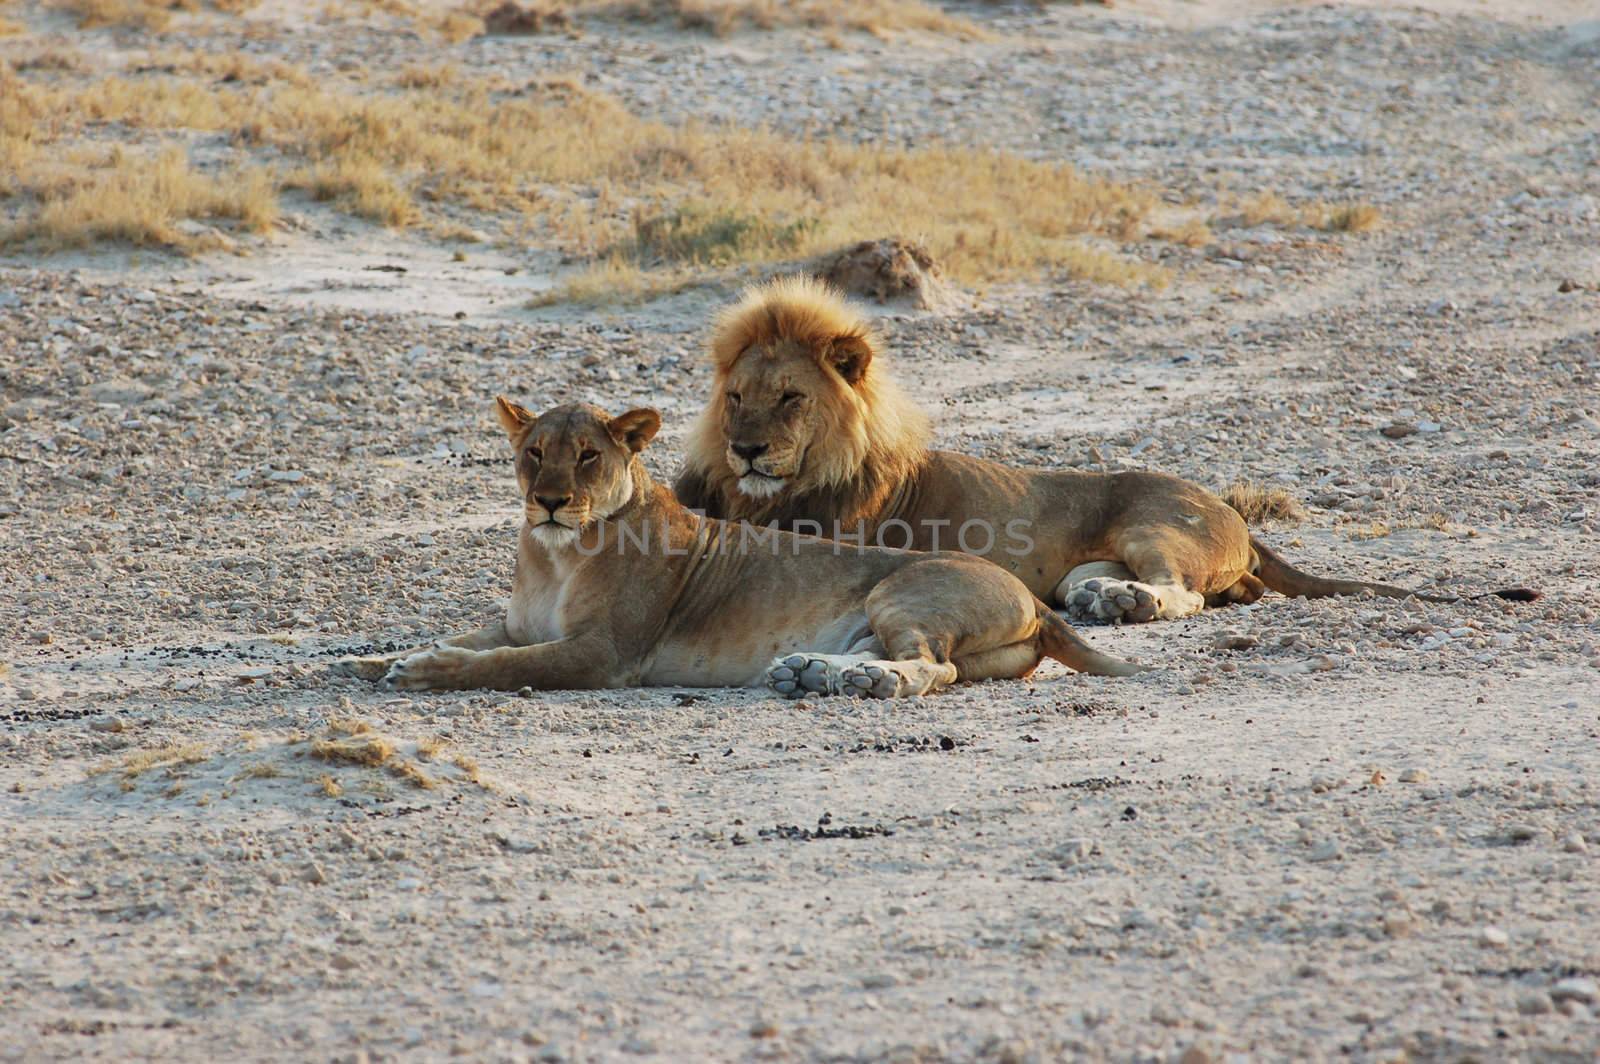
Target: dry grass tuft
1372,530
361,186
128,14
263,770
469,768
409,771
138,198
169,755
369,751
424,76
1269,208
8,28
329,787
1256,504
1348,218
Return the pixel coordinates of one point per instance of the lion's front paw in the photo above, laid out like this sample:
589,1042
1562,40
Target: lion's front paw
1107,600
438,668
362,668
799,675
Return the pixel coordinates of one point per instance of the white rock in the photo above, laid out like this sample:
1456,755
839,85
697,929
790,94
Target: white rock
1493,938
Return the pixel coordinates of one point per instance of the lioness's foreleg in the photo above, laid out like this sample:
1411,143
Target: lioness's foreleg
375,668
564,664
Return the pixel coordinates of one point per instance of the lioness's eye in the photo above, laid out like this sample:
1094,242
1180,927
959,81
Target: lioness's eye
733,397
535,453
790,397
588,456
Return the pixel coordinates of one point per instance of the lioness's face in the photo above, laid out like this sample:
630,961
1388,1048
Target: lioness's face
773,406
574,464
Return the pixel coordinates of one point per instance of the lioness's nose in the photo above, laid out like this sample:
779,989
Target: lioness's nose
749,451
552,503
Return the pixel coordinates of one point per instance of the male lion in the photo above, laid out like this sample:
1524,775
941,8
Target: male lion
804,430
617,585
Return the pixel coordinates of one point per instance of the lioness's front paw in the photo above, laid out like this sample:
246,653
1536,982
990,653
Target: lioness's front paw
439,668
362,668
874,680
1111,601
798,675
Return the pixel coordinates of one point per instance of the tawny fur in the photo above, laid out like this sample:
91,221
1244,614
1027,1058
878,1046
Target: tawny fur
638,591
845,449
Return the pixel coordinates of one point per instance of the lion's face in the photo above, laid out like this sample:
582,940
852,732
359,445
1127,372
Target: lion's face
574,465
776,401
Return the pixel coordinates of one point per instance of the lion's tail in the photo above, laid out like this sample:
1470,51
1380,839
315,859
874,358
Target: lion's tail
1058,640
1285,579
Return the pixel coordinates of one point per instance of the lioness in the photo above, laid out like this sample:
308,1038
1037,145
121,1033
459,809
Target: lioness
804,430
617,585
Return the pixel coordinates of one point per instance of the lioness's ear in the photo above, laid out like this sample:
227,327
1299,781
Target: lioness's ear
635,428
849,356
513,418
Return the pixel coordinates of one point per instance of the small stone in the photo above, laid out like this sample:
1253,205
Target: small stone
314,874
1398,924
880,981
1326,850
1235,641
1493,938
1576,989
1574,843
1196,1055
1520,833
1399,430
1414,775
40,638
763,1029
344,962
1534,1003
108,724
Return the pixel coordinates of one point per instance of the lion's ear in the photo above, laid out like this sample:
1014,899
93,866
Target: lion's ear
513,418
635,428
849,356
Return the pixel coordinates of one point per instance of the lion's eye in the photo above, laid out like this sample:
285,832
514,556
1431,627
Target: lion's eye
535,454
790,397
588,456
733,397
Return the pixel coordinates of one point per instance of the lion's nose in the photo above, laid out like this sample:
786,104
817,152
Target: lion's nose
749,451
552,503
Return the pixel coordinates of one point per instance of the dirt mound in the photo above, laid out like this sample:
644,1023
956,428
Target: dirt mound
887,270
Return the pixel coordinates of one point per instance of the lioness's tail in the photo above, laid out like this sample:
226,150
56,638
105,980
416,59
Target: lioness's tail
1058,640
1285,579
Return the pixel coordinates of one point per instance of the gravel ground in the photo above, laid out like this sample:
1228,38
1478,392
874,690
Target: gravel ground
1348,828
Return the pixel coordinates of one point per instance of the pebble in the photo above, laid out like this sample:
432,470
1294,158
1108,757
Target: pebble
314,874
1577,988
1398,924
1414,775
1493,938
1326,850
1534,1003
108,724
1574,843
1399,430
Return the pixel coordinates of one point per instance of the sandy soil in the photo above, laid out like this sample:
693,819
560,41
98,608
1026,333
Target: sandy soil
1350,828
